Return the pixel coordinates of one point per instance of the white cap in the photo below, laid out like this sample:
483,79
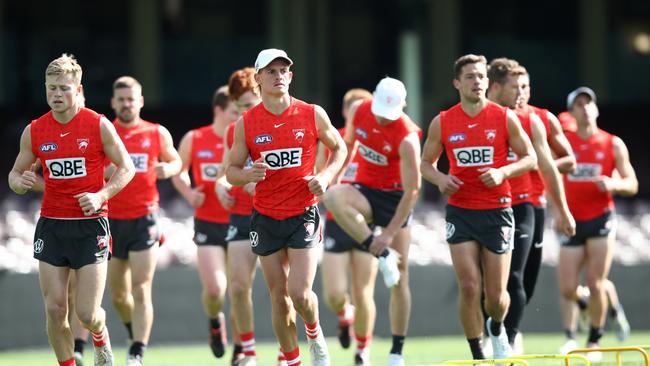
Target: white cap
388,98
574,94
265,57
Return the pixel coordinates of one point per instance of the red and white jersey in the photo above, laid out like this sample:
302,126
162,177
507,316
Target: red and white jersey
521,187
378,148
207,155
288,144
472,145
536,180
243,201
140,197
595,158
72,158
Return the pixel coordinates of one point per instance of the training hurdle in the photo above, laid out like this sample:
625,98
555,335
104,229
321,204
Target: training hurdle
618,351
567,358
502,361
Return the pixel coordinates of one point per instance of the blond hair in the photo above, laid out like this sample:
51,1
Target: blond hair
355,94
66,64
126,82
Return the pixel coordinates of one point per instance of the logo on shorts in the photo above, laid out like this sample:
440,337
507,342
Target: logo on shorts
38,246
254,238
153,235
450,229
507,233
232,231
329,243
200,238
309,228
103,246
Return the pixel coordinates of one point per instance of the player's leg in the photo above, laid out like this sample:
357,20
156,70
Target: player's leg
364,273
570,262
91,281
400,295
211,264
351,210
616,312
334,274
496,269
54,287
599,252
119,284
79,333
534,262
241,263
143,266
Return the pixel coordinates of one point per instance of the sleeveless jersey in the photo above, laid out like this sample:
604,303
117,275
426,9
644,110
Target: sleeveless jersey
207,155
139,197
288,143
378,151
350,174
521,186
72,158
595,158
243,201
472,145
537,192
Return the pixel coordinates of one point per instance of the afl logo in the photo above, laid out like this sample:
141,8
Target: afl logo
48,147
263,139
457,137
38,246
205,154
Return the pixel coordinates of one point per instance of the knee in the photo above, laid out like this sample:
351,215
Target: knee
142,293
470,289
57,311
87,317
300,298
497,300
281,302
335,300
239,292
596,285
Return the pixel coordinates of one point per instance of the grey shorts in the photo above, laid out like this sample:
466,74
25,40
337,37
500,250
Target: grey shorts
493,229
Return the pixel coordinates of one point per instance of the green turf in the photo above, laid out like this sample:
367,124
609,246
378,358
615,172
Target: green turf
417,351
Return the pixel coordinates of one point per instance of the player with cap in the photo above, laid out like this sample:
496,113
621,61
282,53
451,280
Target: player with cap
589,191
384,193
281,135
476,135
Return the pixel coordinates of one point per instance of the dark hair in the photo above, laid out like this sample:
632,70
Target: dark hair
500,68
220,97
465,60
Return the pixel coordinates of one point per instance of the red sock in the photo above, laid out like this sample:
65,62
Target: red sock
69,362
346,315
99,338
281,355
362,342
312,330
248,343
293,357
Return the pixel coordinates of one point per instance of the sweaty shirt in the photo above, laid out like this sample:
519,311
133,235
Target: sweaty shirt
72,158
288,142
207,155
595,158
140,197
472,145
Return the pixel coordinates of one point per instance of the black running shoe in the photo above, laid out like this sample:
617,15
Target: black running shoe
218,338
344,335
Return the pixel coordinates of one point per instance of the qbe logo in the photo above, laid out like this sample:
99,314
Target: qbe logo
372,156
283,158
140,161
209,171
585,172
66,168
474,156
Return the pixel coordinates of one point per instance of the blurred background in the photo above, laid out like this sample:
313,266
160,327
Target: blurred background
182,50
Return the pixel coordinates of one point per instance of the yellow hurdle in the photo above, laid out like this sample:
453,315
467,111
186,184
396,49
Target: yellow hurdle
504,361
566,358
618,351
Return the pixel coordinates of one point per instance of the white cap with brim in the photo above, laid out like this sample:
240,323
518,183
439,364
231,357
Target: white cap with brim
265,57
388,99
574,94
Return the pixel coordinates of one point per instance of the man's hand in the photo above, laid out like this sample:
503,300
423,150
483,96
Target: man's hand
257,171
90,203
605,183
163,170
565,224
450,185
380,243
250,188
28,178
223,193
491,177
197,197
317,185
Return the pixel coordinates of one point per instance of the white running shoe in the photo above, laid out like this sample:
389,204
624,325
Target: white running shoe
133,360
318,351
500,346
247,361
388,268
486,347
104,355
622,325
518,346
595,356
395,360
78,359
568,346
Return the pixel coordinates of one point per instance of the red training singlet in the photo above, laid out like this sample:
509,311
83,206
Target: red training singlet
139,197
539,200
379,160
521,187
595,158
243,201
207,155
72,158
288,143
472,145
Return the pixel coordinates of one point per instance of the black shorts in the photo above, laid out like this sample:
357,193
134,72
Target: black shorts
269,235
383,204
72,243
239,228
337,240
210,233
134,235
538,233
493,229
595,228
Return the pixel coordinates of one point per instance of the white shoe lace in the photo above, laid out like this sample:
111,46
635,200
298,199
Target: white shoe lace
103,356
318,351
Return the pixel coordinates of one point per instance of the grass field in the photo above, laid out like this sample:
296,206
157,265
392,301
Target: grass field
417,351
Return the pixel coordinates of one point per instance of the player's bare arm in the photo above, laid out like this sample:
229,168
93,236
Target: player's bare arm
236,174
409,152
169,163
22,176
194,196
333,141
521,145
560,146
565,222
626,183
447,184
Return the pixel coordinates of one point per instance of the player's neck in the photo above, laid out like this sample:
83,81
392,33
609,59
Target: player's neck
276,104
219,124
473,108
131,124
586,129
67,115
